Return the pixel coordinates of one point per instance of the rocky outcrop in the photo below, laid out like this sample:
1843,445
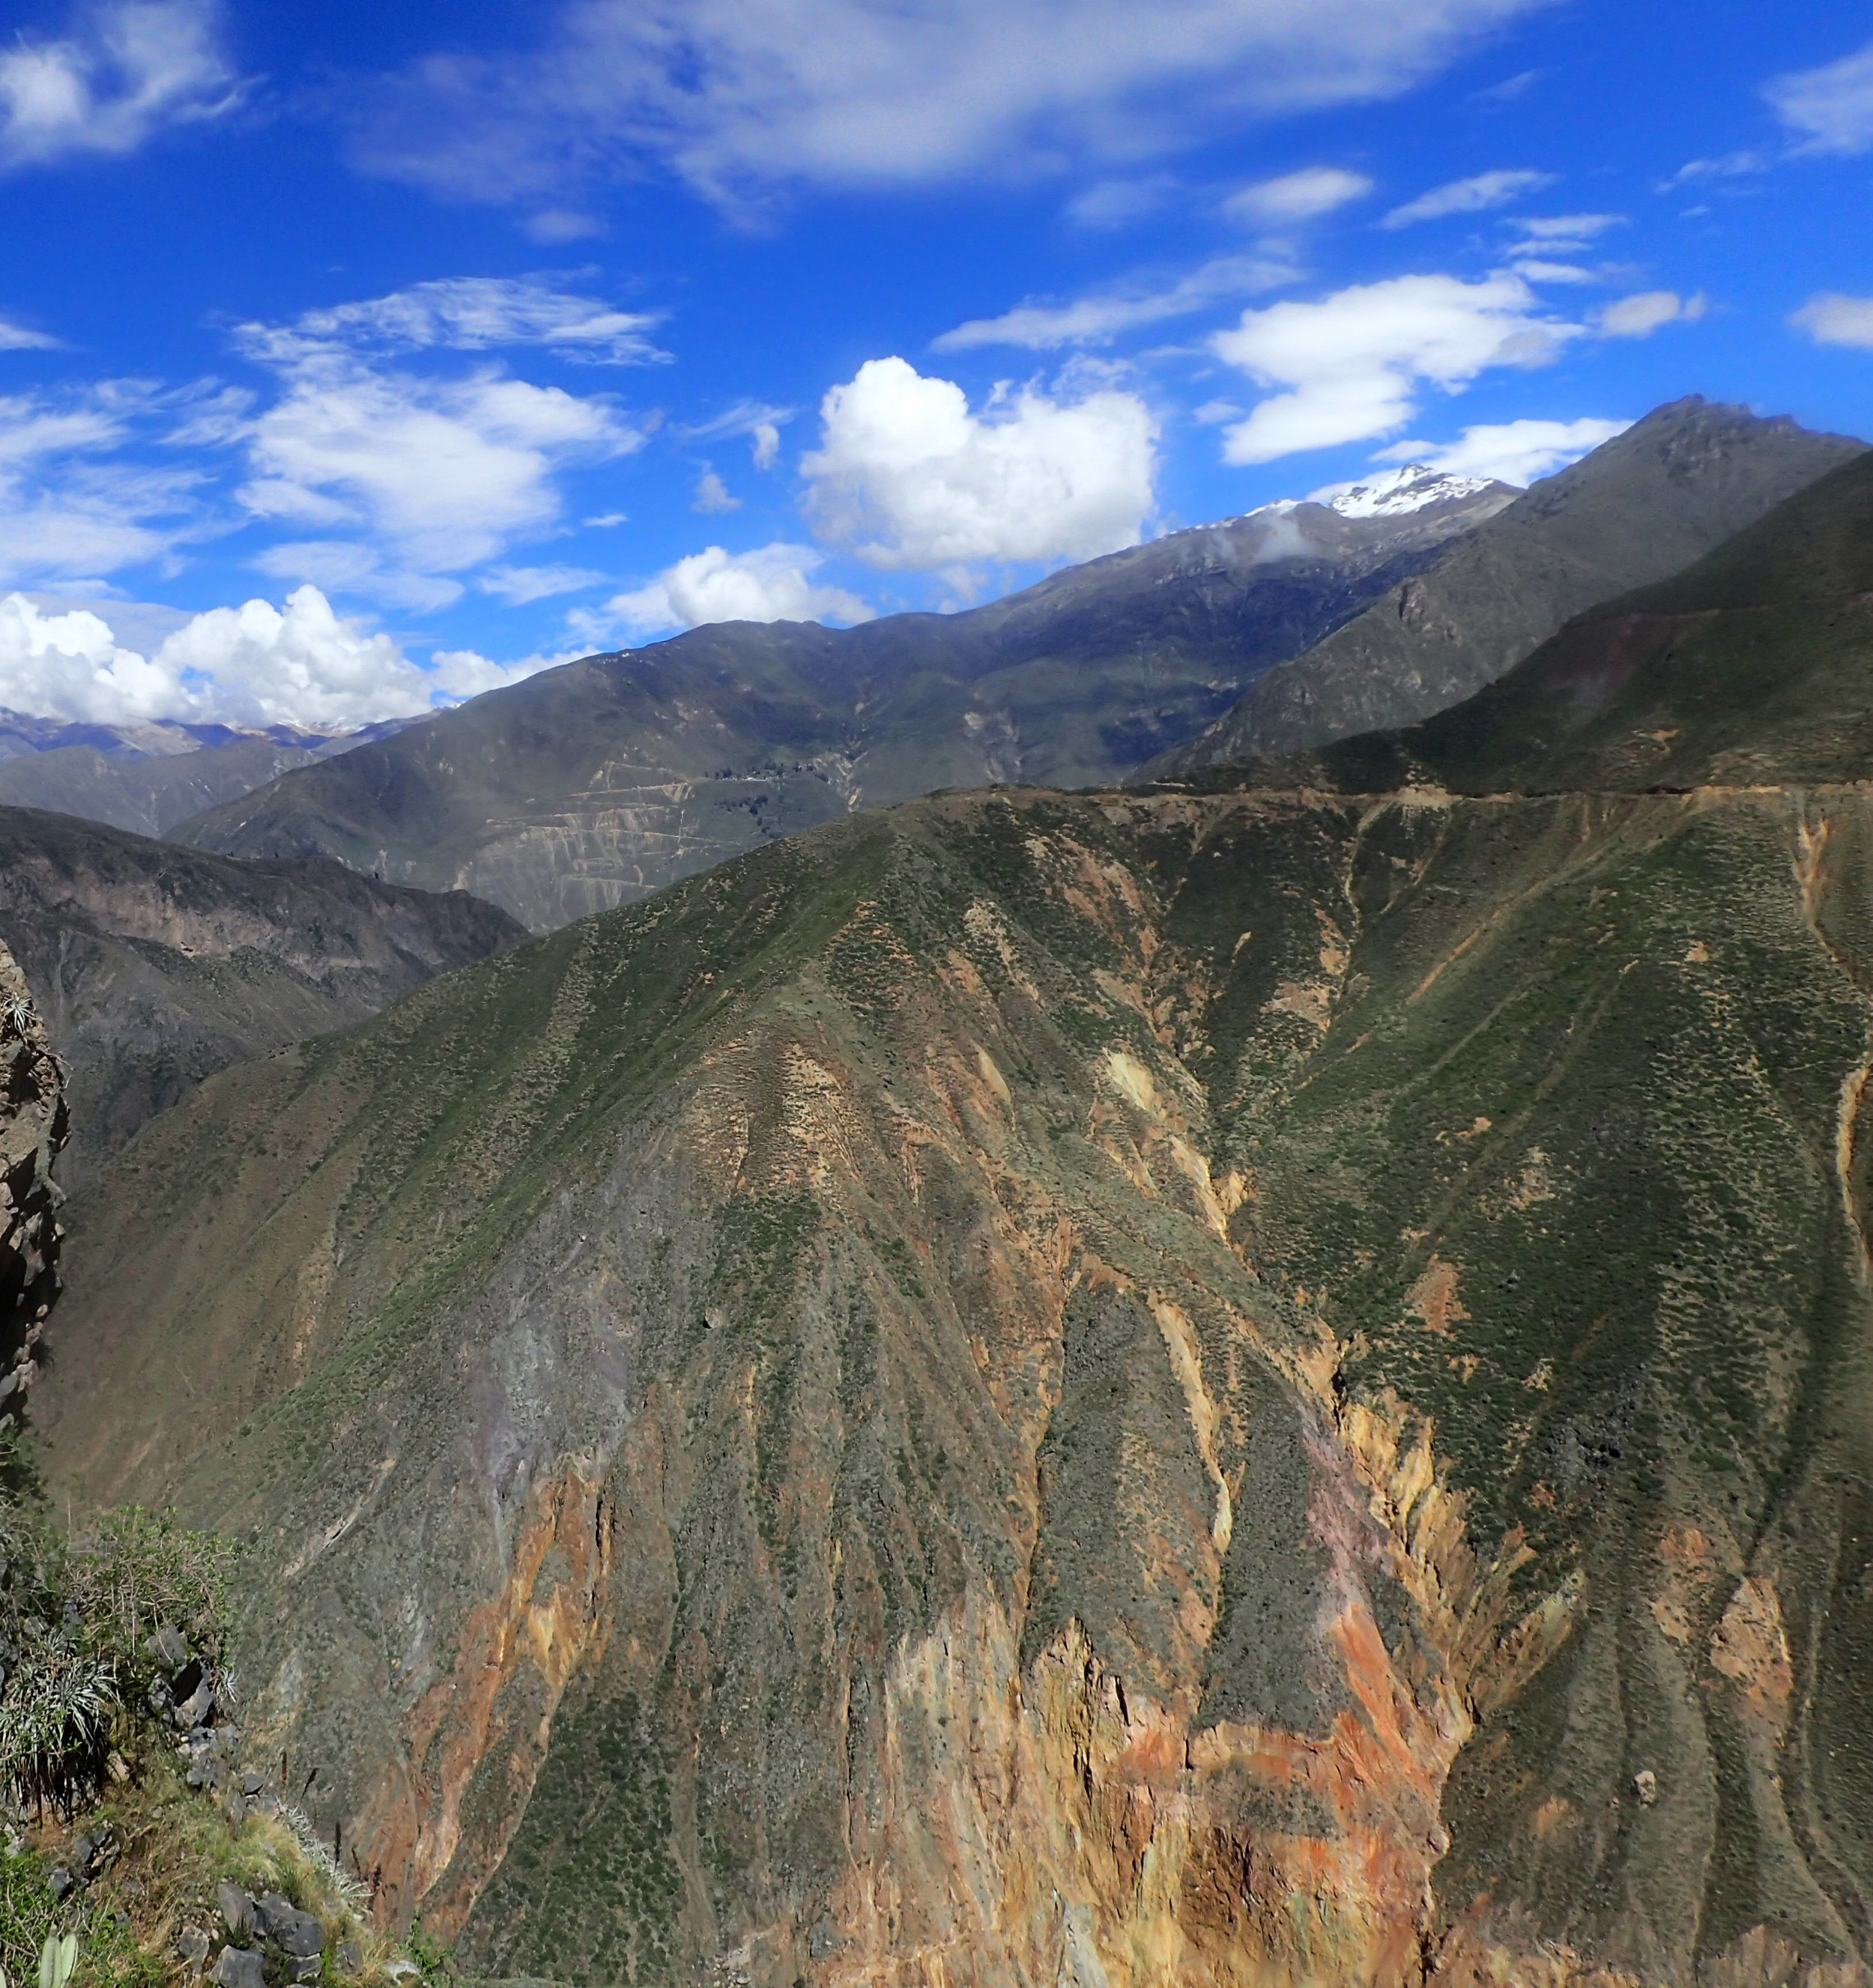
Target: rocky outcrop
33,1127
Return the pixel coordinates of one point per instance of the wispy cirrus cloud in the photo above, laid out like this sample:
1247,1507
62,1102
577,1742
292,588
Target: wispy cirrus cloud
1478,194
23,338
1104,315
1294,198
1829,109
759,420
465,314
73,504
737,96
123,73
402,477
1559,234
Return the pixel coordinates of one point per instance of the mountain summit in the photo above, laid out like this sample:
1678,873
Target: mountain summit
1413,486
1639,507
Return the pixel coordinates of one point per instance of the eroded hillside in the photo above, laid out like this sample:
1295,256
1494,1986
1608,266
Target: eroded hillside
1132,1388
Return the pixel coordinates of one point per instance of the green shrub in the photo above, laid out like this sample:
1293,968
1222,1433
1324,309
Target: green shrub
76,1614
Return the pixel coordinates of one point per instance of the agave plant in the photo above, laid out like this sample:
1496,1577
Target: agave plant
55,1721
57,1959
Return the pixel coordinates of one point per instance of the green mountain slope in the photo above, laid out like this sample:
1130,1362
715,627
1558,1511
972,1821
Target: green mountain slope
1001,1340
1651,501
1258,1384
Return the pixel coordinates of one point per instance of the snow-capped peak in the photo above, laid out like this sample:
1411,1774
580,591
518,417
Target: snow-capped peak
1413,486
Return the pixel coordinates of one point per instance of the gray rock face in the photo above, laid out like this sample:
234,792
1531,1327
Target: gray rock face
1638,509
236,1909
33,1128
293,1932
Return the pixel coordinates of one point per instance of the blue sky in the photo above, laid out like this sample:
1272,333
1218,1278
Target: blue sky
352,358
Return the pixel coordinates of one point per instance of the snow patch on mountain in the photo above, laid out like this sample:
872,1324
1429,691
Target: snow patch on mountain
1412,486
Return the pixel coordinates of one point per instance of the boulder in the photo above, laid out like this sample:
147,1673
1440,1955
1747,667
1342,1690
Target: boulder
293,1932
168,1648
240,1967
237,1910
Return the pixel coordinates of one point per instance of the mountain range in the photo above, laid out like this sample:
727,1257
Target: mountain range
149,777
593,784
1262,1377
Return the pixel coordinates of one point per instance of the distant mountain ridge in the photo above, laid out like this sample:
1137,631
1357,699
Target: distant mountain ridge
1639,507
592,784
146,777
1663,689
153,966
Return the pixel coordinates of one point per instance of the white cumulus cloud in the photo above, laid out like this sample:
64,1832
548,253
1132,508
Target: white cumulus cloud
1477,195
1514,452
126,72
448,472
735,93
69,666
1105,314
1350,366
300,663
1831,319
1639,316
255,664
1830,108
773,584
1305,195
908,477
